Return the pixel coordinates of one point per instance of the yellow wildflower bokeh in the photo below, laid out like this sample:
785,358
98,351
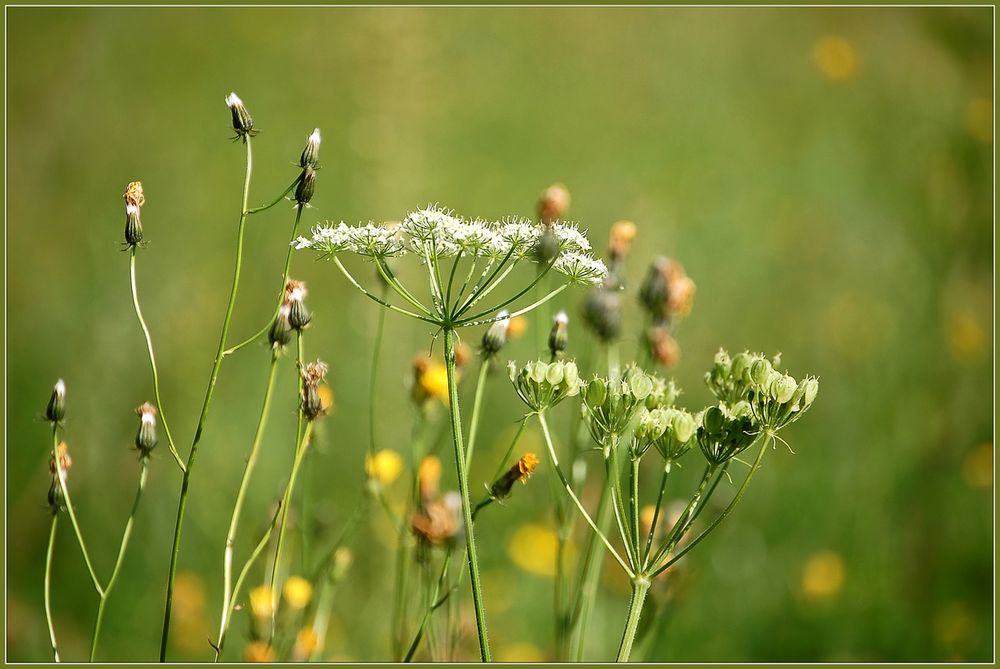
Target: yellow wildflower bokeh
262,602
978,466
434,381
259,651
823,576
297,592
966,335
305,643
520,651
534,547
835,57
325,397
517,326
385,466
979,119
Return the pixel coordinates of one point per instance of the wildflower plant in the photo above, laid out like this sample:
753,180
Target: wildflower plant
490,251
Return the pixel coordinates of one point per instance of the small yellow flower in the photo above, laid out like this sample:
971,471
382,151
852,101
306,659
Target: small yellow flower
262,602
384,466
298,592
305,643
259,651
520,651
835,57
516,326
325,398
434,381
823,575
966,335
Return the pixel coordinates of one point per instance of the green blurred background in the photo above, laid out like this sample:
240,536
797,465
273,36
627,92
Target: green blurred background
823,174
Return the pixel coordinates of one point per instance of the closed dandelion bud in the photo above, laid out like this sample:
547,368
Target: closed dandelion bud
602,312
521,471
146,439
56,409
133,226
134,194
280,334
496,335
653,291
57,502
63,459
242,121
295,294
553,204
681,296
620,239
307,186
310,154
313,375
559,335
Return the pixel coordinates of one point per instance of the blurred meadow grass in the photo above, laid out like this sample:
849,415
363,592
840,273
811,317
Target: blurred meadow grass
823,174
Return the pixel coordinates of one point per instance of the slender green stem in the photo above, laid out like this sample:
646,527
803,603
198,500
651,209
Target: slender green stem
385,304
281,290
254,555
541,275
48,587
576,500
398,287
472,320
593,560
373,380
451,277
213,377
248,469
695,503
122,547
277,200
656,517
634,497
484,369
622,514
463,485
480,289
152,361
434,603
640,586
725,513
68,502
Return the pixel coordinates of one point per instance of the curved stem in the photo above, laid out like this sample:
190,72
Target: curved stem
257,210
692,507
484,368
48,587
123,546
656,517
722,516
463,485
152,361
68,502
480,291
213,377
281,290
622,515
576,500
400,290
261,545
640,586
385,304
541,274
590,573
248,468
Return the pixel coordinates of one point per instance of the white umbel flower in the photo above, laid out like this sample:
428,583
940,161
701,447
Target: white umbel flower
580,268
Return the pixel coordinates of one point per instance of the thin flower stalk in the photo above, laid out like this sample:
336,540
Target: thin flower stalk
206,404
152,362
48,587
477,402
68,503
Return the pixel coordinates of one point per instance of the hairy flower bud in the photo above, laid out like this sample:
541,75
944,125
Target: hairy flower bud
559,335
298,315
310,154
242,121
133,225
145,438
521,471
553,203
602,312
313,375
56,409
280,334
496,334
306,186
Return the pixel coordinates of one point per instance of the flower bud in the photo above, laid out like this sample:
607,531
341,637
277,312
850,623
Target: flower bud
782,388
242,121
298,315
145,438
496,335
57,501
553,204
63,458
653,291
313,375
280,334
597,392
760,372
640,385
56,409
306,187
663,348
133,226
310,154
602,312
521,471
133,194
620,239
559,335
811,388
